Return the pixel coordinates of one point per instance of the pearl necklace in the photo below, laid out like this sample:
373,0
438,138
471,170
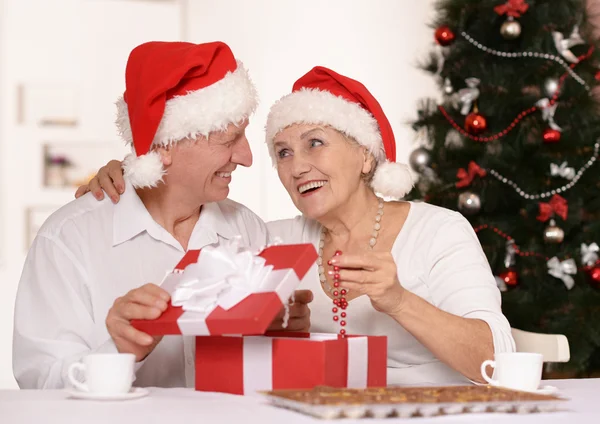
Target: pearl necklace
339,300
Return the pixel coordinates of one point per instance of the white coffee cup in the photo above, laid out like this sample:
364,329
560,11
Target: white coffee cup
106,373
515,370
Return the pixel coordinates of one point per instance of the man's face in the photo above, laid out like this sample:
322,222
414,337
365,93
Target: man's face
204,166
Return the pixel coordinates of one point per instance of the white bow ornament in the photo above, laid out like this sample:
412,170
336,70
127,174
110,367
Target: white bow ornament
466,96
563,270
563,45
589,254
562,171
548,111
511,251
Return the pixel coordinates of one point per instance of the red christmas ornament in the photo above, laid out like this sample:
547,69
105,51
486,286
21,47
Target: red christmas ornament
444,36
595,276
475,123
598,76
510,277
551,136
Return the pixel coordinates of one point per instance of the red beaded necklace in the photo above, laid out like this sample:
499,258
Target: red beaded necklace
340,297
340,301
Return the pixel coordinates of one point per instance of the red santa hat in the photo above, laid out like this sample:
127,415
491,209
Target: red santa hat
325,97
177,90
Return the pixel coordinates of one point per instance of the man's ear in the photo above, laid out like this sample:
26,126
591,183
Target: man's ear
165,156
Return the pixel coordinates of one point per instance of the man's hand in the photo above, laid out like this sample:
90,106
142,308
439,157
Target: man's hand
299,319
146,302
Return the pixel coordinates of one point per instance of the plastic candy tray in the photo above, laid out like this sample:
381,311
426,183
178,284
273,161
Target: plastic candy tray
331,403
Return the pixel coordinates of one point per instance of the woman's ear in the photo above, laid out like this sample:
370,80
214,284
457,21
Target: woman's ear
368,162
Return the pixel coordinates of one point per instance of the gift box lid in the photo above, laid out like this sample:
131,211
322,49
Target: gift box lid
253,314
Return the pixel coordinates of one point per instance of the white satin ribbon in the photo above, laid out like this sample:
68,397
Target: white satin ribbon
223,276
548,111
561,270
563,45
258,364
358,362
562,171
589,254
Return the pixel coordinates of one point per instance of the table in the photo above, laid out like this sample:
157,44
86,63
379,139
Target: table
188,406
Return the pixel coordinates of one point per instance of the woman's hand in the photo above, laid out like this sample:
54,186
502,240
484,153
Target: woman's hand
373,274
109,178
299,314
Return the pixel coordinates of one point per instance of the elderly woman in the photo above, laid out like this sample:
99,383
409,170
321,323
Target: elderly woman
408,270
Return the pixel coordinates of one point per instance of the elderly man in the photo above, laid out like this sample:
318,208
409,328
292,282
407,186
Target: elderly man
184,112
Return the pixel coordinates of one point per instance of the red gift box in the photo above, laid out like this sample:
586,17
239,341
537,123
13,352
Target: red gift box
244,365
251,361
251,316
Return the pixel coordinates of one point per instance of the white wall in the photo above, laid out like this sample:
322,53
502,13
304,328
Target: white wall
79,43
85,43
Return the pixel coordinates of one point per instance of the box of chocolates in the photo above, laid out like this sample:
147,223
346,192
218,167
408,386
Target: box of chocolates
406,402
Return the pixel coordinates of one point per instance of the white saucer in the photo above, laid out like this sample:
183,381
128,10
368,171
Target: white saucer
546,390
134,393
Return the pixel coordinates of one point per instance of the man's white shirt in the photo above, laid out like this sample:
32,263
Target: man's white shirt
85,256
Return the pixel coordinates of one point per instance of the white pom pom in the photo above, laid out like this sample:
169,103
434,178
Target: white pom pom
392,179
143,171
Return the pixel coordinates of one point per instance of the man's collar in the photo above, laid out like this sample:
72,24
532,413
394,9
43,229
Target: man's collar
213,219
131,218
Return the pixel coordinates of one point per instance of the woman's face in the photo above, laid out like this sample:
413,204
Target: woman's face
319,167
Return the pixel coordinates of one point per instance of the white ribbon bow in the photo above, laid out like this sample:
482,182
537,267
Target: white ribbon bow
548,112
511,251
466,96
223,276
562,171
589,254
440,56
561,270
563,45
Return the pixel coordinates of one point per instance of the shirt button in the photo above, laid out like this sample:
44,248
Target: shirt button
190,361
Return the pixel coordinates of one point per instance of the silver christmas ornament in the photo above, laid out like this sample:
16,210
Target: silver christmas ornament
454,140
553,234
550,86
494,148
510,29
469,203
448,89
419,159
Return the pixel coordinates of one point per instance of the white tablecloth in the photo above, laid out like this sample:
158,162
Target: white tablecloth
175,406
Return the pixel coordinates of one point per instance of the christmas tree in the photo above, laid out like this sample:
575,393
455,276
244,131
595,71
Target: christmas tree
514,146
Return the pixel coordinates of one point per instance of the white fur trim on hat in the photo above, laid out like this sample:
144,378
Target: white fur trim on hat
143,171
392,179
230,100
200,112
313,106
